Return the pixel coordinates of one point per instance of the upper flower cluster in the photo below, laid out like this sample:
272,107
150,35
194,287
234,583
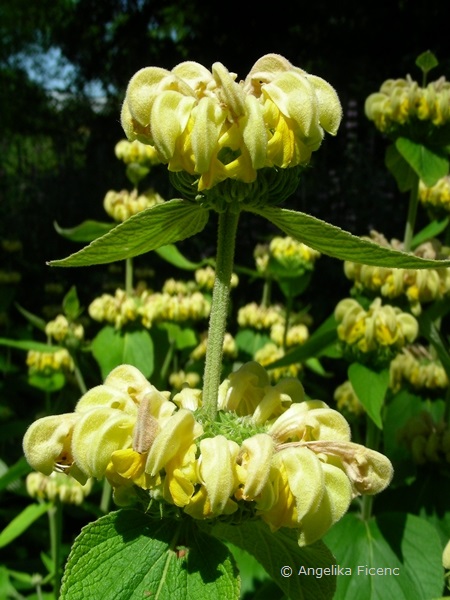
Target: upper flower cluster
272,454
215,128
402,101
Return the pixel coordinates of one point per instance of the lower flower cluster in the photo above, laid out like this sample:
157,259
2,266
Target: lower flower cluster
271,454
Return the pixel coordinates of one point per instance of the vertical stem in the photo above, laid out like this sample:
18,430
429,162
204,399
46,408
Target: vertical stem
129,275
55,526
226,241
372,441
78,374
106,496
412,213
266,292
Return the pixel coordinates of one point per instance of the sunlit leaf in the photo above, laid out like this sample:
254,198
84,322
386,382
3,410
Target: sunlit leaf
126,555
150,229
338,243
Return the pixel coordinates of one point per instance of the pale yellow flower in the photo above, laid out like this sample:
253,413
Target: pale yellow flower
210,125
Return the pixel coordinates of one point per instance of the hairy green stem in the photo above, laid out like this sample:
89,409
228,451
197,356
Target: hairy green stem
55,527
226,241
412,213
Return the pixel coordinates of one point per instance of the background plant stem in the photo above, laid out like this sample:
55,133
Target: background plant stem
55,526
226,241
412,213
372,441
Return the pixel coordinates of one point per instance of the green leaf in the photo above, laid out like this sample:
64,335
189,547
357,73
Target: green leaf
21,523
370,386
36,321
250,341
138,351
172,255
112,348
182,337
85,232
19,469
436,339
393,541
338,243
136,172
150,229
399,410
126,555
51,382
400,169
28,345
275,550
431,230
426,61
71,304
429,165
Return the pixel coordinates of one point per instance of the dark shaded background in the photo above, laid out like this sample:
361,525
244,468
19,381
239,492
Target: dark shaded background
57,146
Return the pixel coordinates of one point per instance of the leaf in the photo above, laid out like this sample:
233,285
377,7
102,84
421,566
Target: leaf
370,386
112,348
250,341
21,523
429,165
126,555
275,550
172,255
85,232
36,321
19,469
182,337
401,170
426,61
436,339
138,351
338,243
71,304
431,230
399,410
51,382
394,541
150,229
29,345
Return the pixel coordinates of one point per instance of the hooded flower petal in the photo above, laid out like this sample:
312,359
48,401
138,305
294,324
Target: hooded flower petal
47,442
217,469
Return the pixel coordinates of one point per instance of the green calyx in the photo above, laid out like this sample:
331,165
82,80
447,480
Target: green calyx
271,186
233,427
